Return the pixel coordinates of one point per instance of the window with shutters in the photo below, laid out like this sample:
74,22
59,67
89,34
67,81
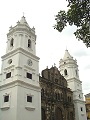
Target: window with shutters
29,43
11,42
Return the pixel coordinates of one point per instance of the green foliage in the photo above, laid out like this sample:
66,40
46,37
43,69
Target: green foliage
78,14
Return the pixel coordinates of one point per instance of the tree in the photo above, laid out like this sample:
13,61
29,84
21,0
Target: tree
78,14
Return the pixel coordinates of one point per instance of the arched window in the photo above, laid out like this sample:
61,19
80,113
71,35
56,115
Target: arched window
68,99
11,42
58,115
58,96
76,72
29,43
65,72
79,96
61,96
42,92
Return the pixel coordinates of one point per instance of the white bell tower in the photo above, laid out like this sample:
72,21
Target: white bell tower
20,93
69,69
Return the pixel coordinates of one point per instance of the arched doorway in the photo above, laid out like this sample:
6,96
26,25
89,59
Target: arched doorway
58,114
71,115
43,116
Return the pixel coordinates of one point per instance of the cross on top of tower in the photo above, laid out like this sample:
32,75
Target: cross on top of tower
23,13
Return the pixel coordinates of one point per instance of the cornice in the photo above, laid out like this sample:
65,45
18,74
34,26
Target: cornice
74,79
9,67
19,50
21,28
29,68
19,83
78,101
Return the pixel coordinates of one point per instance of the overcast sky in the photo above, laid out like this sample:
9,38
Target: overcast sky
50,44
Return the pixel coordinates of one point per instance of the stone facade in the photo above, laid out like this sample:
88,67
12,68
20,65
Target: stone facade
56,98
87,98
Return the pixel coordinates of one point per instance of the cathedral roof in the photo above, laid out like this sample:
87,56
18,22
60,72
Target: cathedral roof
22,24
23,21
67,55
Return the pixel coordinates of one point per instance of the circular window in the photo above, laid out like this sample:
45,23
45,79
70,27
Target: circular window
10,61
29,62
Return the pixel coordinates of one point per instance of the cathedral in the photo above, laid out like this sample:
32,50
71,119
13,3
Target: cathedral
56,94
56,98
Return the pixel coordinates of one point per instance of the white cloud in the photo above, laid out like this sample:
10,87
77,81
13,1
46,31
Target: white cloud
81,53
